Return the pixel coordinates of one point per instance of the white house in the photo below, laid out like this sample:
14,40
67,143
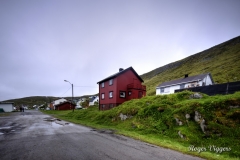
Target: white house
92,100
186,82
78,103
7,106
56,102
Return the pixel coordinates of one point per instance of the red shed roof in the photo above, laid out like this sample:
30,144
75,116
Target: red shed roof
121,72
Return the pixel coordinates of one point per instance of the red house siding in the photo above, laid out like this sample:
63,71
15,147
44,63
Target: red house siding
125,81
65,106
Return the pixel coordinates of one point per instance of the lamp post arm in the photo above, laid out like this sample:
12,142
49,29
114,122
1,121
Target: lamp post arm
72,94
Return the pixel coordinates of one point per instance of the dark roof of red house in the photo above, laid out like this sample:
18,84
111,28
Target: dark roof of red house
185,80
119,73
64,103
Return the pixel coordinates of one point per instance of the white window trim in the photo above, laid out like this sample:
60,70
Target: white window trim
110,82
102,96
111,94
124,96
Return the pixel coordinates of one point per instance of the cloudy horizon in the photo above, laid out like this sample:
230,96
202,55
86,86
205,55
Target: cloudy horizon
45,42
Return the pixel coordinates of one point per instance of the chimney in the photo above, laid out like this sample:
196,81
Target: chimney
121,69
186,75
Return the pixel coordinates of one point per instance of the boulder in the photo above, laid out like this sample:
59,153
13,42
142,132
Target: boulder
195,96
179,122
203,125
187,116
181,135
197,116
124,117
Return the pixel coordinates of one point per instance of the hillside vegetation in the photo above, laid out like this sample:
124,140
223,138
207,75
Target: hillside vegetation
38,100
222,61
34,100
170,121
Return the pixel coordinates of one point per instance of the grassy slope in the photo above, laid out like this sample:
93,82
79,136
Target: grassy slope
222,61
154,121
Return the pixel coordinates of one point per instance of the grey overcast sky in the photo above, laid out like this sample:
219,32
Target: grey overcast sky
44,42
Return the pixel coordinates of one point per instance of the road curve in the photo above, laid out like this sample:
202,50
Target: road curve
32,135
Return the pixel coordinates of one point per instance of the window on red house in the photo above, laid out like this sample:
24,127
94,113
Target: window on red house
111,94
110,82
122,94
102,84
102,95
129,93
111,105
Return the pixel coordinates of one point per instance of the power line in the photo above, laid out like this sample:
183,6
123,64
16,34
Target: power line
65,92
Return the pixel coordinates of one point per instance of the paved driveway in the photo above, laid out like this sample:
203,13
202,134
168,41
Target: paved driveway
32,135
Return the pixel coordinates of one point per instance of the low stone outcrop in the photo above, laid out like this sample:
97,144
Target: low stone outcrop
195,96
233,107
197,116
203,125
187,116
180,123
181,135
124,117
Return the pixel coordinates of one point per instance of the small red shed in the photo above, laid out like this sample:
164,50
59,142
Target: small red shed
120,87
65,106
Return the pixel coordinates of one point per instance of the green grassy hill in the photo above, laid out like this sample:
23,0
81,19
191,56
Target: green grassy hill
222,61
169,121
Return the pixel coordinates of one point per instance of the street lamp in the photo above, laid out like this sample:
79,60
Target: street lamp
72,93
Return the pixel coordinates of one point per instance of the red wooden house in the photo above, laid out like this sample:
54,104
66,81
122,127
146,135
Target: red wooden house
120,87
65,106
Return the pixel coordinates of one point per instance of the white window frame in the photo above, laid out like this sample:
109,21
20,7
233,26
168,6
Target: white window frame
102,96
111,94
123,94
110,82
102,84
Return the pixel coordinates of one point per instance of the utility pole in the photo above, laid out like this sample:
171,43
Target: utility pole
72,94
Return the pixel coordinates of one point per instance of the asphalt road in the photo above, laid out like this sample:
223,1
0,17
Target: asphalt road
32,135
